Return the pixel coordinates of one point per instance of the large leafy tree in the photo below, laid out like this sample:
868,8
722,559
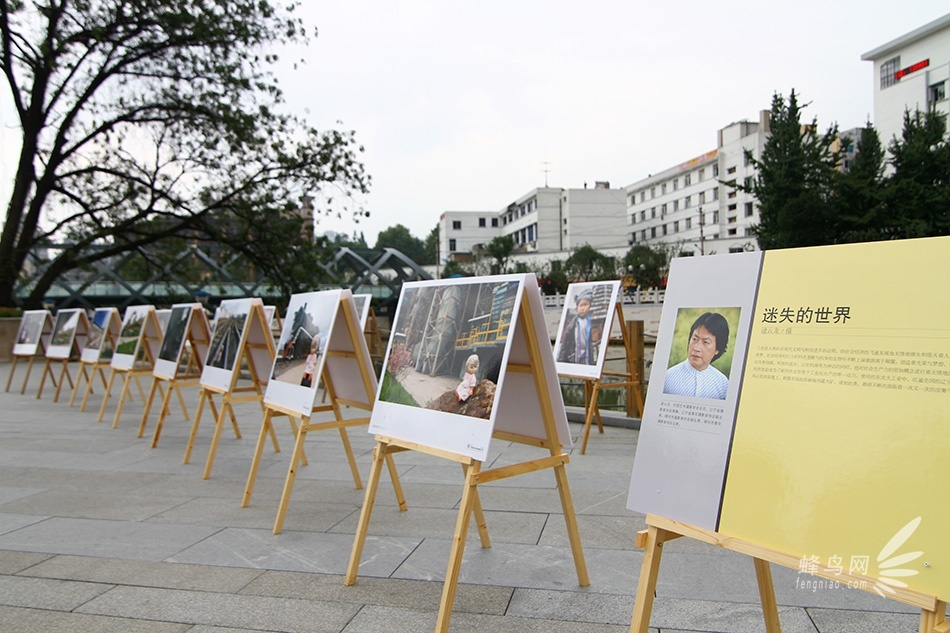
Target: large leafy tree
647,265
586,263
500,249
145,119
794,184
918,192
402,240
860,198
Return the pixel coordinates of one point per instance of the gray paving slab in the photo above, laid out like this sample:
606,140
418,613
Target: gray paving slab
223,609
849,621
44,593
143,573
296,551
12,562
92,505
12,522
12,493
301,516
389,592
395,620
119,539
20,620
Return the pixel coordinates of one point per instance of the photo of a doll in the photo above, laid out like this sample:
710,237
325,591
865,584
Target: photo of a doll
311,364
464,390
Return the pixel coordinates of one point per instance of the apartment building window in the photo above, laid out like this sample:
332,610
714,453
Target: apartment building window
481,223
715,194
747,183
663,189
643,215
452,245
715,170
731,232
938,92
746,158
663,211
732,194
676,227
715,217
652,192
687,202
702,197
731,207
643,196
531,230
676,184
652,231
731,170
633,219
494,222
643,234
504,220
630,238
748,209
700,175
633,201
687,180
689,223
676,205
653,213
456,225
889,70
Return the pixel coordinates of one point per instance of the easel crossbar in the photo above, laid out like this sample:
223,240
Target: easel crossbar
520,439
335,424
504,472
428,450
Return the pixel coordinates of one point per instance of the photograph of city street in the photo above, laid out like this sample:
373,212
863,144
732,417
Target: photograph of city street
174,338
229,326
447,345
65,328
131,330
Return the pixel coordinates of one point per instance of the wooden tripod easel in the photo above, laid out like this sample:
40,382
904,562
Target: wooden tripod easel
193,346
631,379
350,349
142,361
43,321
474,475
92,360
256,349
70,333
660,530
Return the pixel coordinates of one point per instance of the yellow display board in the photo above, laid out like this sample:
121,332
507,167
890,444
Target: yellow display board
842,433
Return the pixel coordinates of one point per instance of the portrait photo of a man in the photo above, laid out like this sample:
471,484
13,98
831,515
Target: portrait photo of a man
706,342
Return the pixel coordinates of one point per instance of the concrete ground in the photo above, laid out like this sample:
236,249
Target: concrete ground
101,533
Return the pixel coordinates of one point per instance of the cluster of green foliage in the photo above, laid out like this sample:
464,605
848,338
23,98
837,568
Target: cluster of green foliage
806,199
146,123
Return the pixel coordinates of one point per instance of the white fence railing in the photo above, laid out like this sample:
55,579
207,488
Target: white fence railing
632,297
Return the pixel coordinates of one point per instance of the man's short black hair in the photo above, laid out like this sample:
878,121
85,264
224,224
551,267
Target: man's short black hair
717,326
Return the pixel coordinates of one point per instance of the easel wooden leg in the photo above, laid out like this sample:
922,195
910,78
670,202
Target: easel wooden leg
649,570
450,587
26,379
181,401
105,395
763,575
480,521
935,621
63,374
16,359
82,374
570,519
46,370
256,462
225,406
148,406
397,487
295,460
162,414
351,459
590,400
122,396
194,425
369,498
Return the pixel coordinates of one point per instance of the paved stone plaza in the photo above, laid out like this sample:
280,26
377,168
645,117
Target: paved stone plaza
101,533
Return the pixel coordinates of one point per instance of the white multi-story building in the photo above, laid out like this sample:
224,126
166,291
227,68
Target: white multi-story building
911,73
544,220
689,207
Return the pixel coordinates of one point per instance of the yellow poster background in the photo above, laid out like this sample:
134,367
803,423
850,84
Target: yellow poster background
842,434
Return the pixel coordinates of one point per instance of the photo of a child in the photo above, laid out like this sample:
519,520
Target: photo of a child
310,365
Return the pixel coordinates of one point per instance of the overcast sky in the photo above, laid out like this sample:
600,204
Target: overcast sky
463,105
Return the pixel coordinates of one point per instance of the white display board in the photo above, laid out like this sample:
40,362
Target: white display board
137,322
104,327
70,328
584,330
35,325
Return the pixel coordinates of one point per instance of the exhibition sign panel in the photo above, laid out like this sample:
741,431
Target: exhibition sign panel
139,324
831,439
70,329
36,326
104,328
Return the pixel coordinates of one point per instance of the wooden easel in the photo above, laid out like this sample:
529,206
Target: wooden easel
374,340
92,359
174,370
660,530
136,365
631,379
65,346
43,320
531,363
346,351
256,348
